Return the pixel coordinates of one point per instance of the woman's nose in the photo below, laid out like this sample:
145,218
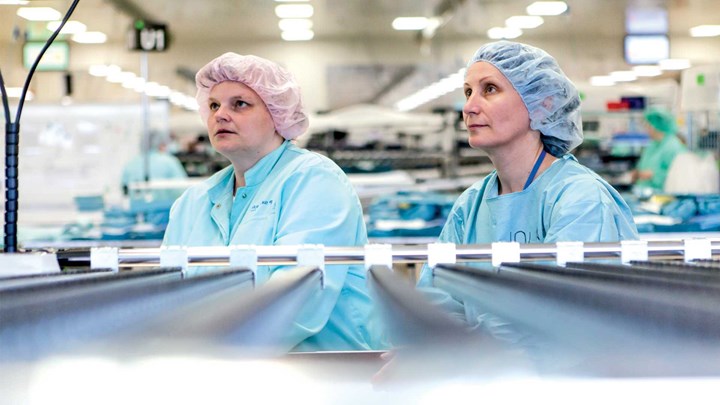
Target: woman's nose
221,114
471,106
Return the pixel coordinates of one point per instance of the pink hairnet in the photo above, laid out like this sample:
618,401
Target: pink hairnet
275,86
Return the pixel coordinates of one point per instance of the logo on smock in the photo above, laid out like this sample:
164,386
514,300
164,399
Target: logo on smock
264,207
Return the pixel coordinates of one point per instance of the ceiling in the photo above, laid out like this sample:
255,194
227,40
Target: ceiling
215,21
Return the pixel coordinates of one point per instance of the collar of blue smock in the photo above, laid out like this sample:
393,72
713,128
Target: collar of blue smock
492,191
254,176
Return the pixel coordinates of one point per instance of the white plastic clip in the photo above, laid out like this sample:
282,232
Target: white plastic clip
697,248
508,252
246,257
314,256
441,253
104,258
378,254
174,256
633,250
569,252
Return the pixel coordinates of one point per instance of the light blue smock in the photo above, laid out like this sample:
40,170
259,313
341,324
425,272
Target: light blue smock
567,202
292,196
657,157
162,166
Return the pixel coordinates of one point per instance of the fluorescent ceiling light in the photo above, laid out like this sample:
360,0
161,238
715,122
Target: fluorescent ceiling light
705,31
90,37
158,91
547,8
503,33
103,70
524,21
16,92
410,23
134,83
623,76
295,24
39,13
299,35
647,70
98,70
70,27
120,77
674,64
601,81
13,2
294,11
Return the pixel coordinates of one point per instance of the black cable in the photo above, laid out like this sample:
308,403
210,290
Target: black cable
12,140
5,102
40,55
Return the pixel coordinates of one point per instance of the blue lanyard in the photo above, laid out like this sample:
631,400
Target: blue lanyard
535,168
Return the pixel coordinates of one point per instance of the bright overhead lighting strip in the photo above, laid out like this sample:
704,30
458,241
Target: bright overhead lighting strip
39,13
410,23
547,8
294,11
431,92
705,31
129,80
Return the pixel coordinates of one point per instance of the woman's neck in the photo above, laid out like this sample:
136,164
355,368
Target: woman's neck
241,164
514,167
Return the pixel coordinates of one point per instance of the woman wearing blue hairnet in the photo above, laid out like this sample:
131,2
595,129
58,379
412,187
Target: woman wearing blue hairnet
524,113
275,193
655,160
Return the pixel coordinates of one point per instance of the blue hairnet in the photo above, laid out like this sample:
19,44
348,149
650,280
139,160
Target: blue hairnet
551,98
661,119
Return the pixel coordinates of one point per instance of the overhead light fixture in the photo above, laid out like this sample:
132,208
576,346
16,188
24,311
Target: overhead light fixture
16,92
503,33
294,11
39,13
70,27
134,83
647,70
298,35
295,24
440,88
547,8
524,21
674,64
90,37
120,77
705,31
98,70
13,2
410,23
103,70
623,76
602,81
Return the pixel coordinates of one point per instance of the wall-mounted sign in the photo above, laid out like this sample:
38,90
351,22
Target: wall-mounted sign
144,36
56,57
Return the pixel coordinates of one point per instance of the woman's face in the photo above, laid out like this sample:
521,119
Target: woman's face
240,125
494,113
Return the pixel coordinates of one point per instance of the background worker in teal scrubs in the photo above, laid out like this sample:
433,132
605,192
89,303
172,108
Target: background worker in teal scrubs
524,113
655,160
275,193
160,164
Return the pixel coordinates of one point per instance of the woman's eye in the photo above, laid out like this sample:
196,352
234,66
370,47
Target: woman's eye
214,106
240,103
468,92
490,88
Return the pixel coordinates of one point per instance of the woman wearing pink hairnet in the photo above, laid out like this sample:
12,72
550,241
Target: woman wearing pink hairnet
275,193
